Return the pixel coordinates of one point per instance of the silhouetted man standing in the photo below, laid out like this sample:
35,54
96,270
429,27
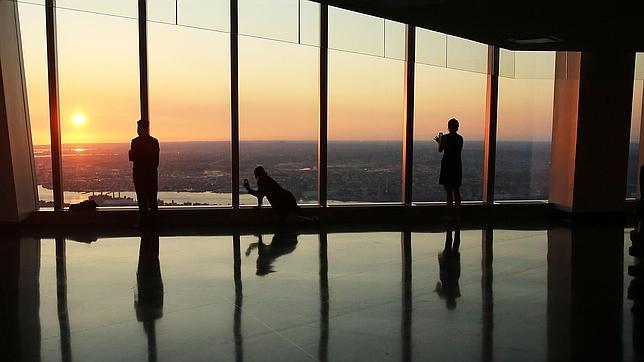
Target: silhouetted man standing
144,153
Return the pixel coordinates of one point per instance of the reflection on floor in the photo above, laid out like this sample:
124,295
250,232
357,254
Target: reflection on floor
471,294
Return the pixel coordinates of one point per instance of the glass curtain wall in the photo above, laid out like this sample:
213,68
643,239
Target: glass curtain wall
524,133
34,52
450,83
278,94
189,88
366,107
636,120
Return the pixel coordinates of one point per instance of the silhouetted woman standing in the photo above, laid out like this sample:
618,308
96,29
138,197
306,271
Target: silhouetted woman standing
451,174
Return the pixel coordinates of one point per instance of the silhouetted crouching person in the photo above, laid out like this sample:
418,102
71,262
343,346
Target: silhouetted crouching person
144,153
451,174
449,264
282,201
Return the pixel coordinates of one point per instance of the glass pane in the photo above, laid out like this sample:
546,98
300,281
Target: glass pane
206,14
355,32
365,128
127,8
506,63
164,11
34,54
99,99
275,19
634,144
279,103
534,65
309,23
189,82
523,138
442,94
395,40
431,47
467,55
37,2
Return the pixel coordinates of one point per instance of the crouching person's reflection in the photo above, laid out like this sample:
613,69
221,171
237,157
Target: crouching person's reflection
148,296
283,243
449,263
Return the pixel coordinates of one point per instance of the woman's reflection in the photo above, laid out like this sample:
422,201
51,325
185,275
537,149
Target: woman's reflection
449,262
284,242
148,297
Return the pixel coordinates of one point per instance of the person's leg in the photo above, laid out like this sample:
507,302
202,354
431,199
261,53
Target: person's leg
154,190
449,197
140,197
457,196
457,239
448,240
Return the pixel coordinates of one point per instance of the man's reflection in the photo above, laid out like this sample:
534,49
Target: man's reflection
148,298
284,242
449,262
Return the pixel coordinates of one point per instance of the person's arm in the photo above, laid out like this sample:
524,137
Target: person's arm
441,143
257,193
156,154
130,153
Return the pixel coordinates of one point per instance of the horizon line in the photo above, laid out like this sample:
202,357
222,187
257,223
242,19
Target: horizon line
329,141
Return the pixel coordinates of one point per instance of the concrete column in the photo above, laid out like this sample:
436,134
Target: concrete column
590,131
17,177
585,293
20,330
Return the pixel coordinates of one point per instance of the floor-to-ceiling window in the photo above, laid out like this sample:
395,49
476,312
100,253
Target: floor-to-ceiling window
366,86
450,83
526,89
278,94
189,88
99,97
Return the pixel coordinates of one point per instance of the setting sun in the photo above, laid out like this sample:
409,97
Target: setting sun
79,119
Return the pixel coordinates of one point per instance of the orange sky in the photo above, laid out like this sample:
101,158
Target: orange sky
190,87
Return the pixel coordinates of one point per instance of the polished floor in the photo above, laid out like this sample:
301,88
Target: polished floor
449,295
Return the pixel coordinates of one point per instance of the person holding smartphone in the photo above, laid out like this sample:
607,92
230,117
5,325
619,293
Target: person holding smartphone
282,201
451,145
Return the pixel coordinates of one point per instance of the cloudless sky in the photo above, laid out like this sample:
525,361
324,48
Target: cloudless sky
190,86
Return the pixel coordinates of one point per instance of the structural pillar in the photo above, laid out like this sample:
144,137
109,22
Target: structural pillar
19,197
491,115
234,100
323,126
20,330
585,293
590,131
